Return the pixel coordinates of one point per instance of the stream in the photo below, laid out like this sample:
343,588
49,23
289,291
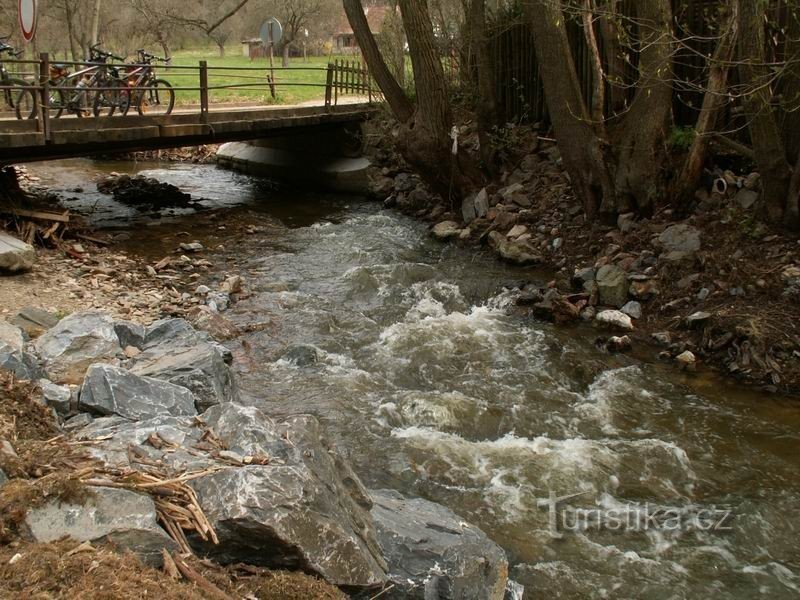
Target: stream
410,353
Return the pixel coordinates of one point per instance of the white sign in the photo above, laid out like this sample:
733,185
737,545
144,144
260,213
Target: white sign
27,19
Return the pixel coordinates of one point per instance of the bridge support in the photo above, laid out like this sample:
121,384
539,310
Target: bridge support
328,159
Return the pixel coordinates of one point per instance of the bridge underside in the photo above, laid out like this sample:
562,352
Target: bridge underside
71,137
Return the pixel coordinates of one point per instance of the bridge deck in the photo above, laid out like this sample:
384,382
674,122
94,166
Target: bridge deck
23,141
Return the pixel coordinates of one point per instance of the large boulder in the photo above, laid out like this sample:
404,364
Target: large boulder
15,255
281,495
121,517
517,252
75,343
22,364
34,321
11,335
433,554
679,242
109,390
612,285
174,351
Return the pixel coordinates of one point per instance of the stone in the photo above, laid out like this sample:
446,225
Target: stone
15,255
446,230
58,397
698,319
558,243
482,203
626,222
76,342
581,277
180,333
192,247
301,356
216,325
34,321
11,336
618,344
520,253
679,242
662,338
22,364
703,294
612,285
404,182
432,553
202,290
633,309
468,213
746,198
3,478
614,318
643,290
79,421
517,231
505,219
509,193
117,516
687,360
218,301
111,390
129,334
232,285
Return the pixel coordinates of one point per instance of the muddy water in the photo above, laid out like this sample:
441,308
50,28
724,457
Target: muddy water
409,352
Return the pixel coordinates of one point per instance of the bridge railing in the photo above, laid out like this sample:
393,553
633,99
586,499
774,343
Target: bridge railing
197,88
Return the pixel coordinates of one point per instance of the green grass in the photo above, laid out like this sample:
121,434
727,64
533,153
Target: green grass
287,89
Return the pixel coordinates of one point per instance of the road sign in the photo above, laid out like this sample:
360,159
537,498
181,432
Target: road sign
271,32
27,19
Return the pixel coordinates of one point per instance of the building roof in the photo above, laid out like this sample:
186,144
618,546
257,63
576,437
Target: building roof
376,15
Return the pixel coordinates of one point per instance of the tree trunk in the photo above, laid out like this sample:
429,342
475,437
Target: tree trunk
486,105
791,89
285,55
96,21
764,131
598,79
68,17
221,48
394,94
714,101
612,51
640,141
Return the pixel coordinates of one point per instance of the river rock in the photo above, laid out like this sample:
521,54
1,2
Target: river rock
698,319
679,242
11,336
22,364
15,255
612,285
614,318
746,198
76,342
3,478
34,321
687,360
111,390
521,253
482,203
301,356
121,517
204,319
432,553
58,397
633,309
129,334
446,230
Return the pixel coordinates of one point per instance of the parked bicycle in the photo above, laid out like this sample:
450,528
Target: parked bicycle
150,95
112,92
17,93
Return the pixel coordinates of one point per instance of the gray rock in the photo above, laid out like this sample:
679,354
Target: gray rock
192,247
405,182
746,198
22,364
703,294
77,422
509,193
626,222
468,213
446,230
698,319
662,338
218,301
517,252
11,335
130,334
111,390
179,333
679,242
433,554
123,518
200,368
614,318
583,276
15,255
482,203
34,321
612,284
301,356
633,309
58,397
3,477
76,342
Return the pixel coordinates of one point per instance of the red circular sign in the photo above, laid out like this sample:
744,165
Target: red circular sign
27,19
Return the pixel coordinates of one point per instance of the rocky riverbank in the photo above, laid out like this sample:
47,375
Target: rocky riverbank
715,287
137,440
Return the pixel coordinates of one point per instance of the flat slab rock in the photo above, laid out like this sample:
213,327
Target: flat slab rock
433,554
121,517
15,255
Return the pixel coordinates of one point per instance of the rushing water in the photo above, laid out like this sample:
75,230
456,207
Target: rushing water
432,385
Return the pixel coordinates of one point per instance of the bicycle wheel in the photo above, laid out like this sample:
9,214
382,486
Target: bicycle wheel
159,100
57,102
23,100
107,101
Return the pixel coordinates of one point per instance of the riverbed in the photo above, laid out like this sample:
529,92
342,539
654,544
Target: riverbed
411,354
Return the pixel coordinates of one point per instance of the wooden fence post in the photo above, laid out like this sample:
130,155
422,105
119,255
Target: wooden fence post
329,86
44,100
204,90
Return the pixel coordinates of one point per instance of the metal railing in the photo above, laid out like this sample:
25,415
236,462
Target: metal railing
195,87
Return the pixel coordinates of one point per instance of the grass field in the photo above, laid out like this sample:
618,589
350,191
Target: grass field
292,85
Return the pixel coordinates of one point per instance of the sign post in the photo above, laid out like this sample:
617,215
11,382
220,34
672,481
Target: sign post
271,33
27,19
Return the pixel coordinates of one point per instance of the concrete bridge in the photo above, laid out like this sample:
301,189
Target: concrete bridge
24,141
